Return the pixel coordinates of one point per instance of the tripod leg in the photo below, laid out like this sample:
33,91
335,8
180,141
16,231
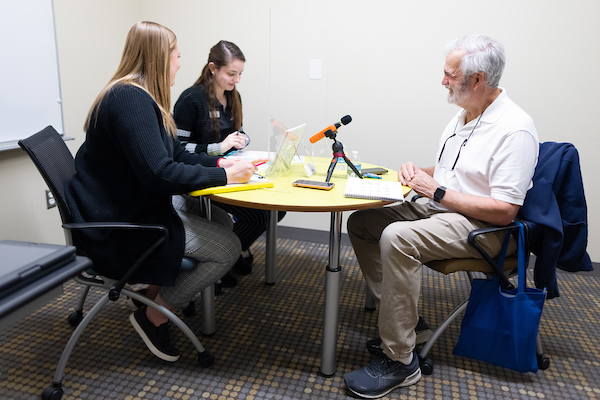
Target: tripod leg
331,168
357,172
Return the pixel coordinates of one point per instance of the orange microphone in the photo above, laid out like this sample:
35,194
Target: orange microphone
330,129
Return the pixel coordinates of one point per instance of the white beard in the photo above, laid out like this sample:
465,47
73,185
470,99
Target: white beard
458,94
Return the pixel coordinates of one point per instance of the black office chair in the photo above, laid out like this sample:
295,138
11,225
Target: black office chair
57,165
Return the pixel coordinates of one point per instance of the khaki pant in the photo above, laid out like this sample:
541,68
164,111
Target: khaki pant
392,244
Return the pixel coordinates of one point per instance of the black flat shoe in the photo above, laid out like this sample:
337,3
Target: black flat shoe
228,281
218,289
156,338
243,266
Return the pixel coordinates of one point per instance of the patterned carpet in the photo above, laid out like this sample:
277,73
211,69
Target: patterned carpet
268,342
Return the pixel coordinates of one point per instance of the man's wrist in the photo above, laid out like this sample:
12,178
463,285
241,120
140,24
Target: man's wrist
439,193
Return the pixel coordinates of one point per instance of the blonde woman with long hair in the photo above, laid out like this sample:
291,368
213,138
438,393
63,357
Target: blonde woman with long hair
128,168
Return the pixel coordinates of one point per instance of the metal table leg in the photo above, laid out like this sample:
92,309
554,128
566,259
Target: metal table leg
208,325
208,294
332,298
271,256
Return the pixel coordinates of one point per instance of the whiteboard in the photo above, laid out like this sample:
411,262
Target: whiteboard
30,96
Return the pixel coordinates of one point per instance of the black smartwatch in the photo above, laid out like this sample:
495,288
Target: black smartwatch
439,193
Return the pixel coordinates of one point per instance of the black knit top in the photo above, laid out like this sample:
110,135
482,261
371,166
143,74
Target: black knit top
127,169
193,118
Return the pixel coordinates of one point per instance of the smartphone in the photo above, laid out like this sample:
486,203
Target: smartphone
376,171
314,184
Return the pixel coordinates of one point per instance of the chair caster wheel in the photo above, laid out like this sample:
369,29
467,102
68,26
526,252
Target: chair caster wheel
426,365
206,359
75,318
543,362
53,392
190,309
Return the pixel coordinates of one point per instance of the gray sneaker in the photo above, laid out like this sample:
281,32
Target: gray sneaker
423,334
382,376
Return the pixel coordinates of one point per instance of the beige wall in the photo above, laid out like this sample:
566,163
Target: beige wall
382,64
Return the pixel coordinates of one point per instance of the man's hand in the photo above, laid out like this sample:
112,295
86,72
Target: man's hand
406,172
423,184
419,180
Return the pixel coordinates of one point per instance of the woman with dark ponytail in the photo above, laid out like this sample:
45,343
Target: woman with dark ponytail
209,120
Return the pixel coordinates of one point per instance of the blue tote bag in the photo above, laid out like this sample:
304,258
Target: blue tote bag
500,326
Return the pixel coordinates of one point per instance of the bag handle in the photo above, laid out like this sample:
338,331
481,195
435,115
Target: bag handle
502,254
522,282
496,263
521,258
522,271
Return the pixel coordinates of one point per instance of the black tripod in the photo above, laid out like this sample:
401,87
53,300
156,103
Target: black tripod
338,151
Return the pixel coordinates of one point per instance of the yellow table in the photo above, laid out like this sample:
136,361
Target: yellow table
285,197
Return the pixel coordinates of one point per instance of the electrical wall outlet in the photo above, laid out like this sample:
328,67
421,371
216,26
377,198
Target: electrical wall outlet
50,200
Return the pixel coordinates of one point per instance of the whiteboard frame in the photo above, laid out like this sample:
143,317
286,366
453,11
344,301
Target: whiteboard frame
31,98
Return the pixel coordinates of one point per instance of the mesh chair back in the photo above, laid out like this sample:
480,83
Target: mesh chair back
55,162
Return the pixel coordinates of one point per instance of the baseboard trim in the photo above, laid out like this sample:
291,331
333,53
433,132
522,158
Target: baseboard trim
309,235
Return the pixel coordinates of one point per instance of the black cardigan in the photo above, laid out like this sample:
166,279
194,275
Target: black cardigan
127,170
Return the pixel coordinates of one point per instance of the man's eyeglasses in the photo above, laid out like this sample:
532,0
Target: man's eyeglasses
463,144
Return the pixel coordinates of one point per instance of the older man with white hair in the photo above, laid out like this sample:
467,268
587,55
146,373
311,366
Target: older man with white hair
483,168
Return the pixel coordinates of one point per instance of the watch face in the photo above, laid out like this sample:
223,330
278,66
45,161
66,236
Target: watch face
439,193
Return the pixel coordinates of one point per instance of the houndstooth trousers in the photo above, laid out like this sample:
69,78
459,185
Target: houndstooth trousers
212,243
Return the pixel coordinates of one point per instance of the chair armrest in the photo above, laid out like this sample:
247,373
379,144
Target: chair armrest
472,240
509,229
115,290
112,225
491,229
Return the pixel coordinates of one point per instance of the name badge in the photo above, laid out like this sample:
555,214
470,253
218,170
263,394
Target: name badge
214,114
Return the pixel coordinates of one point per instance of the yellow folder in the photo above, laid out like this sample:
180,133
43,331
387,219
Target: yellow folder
234,187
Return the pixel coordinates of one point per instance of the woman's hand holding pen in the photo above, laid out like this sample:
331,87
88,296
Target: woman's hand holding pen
234,140
239,170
